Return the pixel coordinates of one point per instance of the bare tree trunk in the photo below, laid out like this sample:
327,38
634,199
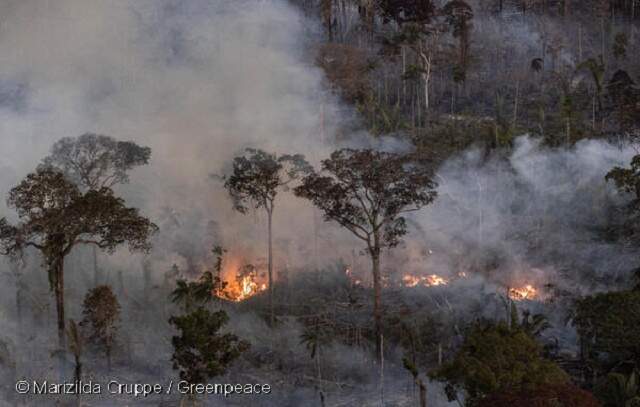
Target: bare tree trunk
423,393
602,38
58,289
426,77
271,311
96,270
77,371
18,280
59,294
515,104
377,294
580,43
593,108
404,71
381,370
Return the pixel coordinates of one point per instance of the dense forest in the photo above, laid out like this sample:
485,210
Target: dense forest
320,203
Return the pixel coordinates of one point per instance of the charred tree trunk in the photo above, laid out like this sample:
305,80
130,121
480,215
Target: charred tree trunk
327,17
108,354
58,270
56,276
270,257
96,270
377,294
423,393
77,371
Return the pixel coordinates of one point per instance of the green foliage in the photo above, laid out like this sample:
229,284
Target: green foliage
495,358
101,312
55,216
534,325
609,325
411,367
619,47
628,179
197,293
596,68
381,118
201,351
314,337
619,390
419,335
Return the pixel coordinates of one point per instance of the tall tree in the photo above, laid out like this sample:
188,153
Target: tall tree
254,181
55,216
367,192
94,161
418,31
624,97
458,15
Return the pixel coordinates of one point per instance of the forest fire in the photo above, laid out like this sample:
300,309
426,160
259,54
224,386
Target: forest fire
527,292
428,281
241,281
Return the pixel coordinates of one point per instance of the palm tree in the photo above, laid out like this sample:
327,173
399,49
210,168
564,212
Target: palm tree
200,292
621,390
534,325
314,338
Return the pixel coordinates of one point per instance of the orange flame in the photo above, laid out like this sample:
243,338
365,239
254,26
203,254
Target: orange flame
527,292
428,281
242,281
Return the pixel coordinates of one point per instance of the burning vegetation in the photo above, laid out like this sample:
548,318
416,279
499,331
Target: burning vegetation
526,292
430,280
241,281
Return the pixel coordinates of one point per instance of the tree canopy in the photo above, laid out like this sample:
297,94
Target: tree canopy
497,359
368,191
257,176
201,351
95,161
54,216
609,325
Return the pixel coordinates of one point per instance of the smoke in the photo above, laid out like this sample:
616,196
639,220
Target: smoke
197,82
538,214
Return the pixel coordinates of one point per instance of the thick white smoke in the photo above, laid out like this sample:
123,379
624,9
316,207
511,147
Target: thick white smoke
196,81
